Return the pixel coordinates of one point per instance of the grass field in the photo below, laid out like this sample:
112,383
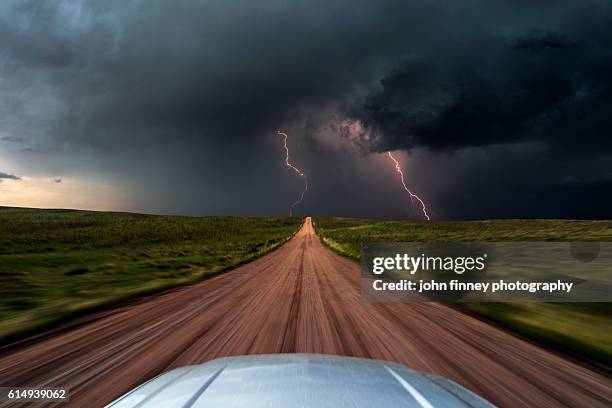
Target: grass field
56,264
579,328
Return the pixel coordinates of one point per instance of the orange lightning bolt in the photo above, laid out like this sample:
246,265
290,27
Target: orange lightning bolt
298,171
412,195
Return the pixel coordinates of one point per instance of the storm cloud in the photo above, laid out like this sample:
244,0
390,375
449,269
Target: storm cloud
542,86
179,103
9,176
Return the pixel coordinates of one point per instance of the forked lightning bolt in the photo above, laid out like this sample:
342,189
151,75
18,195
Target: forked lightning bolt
298,171
412,195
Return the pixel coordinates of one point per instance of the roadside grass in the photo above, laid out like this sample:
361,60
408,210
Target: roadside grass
59,264
580,329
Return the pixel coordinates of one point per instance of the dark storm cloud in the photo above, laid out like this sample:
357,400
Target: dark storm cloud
113,75
180,100
537,41
540,86
12,139
9,176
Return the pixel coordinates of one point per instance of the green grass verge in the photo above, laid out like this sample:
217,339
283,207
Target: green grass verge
59,264
581,329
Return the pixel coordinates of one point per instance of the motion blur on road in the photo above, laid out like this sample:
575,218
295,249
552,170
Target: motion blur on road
300,298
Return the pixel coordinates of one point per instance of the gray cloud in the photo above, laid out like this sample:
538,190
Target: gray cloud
12,139
9,176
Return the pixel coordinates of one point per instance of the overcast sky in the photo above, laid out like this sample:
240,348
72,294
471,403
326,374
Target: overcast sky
495,109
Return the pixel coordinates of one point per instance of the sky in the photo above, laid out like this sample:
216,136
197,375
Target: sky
494,108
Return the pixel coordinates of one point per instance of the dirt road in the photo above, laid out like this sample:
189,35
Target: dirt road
300,298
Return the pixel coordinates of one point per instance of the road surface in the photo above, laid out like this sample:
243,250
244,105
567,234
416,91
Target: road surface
299,298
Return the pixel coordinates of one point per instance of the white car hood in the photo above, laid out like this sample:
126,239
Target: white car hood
298,380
